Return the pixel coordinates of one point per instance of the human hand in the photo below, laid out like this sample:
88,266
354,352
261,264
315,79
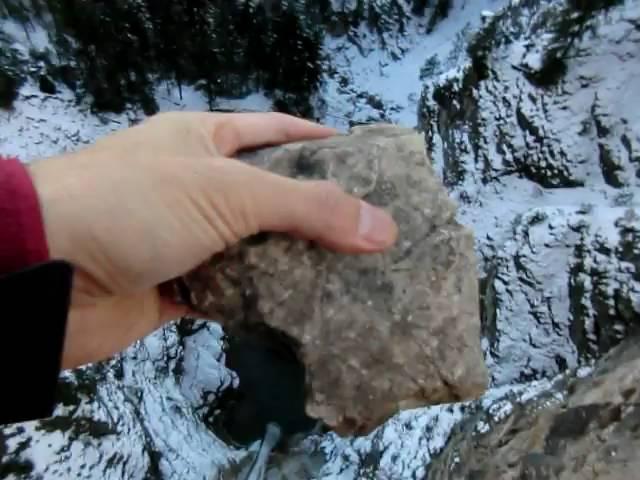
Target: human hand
149,203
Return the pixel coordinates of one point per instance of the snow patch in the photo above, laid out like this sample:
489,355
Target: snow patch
370,83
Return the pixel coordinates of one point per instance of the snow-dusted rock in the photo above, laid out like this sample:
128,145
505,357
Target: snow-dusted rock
561,290
142,415
582,428
494,120
548,176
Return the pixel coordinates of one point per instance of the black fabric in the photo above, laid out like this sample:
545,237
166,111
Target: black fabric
34,304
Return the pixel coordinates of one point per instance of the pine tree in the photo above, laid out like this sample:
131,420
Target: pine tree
259,45
170,40
204,57
419,6
296,70
9,86
440,12
120,49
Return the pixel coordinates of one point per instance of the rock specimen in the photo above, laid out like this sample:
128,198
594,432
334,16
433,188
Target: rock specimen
376,333
593,432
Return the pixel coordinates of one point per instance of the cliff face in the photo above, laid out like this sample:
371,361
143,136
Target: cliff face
143,415
533,126
562,154
580,428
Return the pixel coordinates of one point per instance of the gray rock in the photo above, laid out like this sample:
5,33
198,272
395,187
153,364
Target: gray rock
377,333
589,429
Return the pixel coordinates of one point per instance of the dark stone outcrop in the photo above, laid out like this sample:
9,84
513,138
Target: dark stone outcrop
583,428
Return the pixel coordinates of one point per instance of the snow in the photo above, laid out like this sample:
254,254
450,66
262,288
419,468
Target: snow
533,299
169,99
46,125
402,434
26,37
366,72
584,371
29,133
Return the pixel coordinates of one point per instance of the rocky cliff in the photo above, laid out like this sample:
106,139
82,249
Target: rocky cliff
581,428
532,124
562,156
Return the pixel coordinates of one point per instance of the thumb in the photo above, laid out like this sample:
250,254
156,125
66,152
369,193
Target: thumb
321,211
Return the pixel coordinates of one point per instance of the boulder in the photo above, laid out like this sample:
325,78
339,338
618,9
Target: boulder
589,428
376,333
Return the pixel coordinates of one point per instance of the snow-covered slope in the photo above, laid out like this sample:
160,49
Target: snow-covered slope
140,416
373,79
546,177
549,179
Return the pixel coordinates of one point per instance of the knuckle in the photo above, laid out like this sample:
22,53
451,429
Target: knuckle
329,200
329,191
160,116
226,137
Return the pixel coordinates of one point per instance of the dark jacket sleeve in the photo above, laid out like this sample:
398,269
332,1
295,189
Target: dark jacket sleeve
34,304
34,301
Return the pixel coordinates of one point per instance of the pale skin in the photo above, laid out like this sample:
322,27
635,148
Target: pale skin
151,202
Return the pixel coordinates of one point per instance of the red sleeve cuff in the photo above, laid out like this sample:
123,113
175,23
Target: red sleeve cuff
23,241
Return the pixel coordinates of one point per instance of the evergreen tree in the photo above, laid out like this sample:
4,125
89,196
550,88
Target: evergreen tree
230,47
120,49
9,85
440,12
203,55
170,40
258,45
419,6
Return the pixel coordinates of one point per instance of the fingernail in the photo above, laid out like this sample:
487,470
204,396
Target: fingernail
376,228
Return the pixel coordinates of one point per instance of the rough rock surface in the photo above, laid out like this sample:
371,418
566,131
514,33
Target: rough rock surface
379,333
583,428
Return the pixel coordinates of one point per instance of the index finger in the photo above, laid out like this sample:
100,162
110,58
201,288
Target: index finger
233,132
